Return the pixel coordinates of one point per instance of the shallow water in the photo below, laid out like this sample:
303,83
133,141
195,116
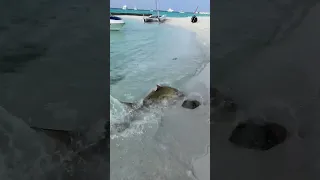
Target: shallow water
143,55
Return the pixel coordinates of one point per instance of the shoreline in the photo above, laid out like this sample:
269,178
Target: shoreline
197,144
201,164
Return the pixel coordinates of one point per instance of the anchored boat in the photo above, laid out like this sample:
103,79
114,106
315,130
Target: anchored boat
155,18
116,23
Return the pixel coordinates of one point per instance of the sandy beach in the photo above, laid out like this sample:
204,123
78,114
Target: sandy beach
201,165
178,121
199,84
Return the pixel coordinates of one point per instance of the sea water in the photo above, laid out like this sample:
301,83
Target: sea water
142,56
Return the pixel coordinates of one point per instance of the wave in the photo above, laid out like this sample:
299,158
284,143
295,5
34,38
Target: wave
125,122
121,123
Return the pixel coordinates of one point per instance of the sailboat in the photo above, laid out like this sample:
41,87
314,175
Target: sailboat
135,8
124,7
155,18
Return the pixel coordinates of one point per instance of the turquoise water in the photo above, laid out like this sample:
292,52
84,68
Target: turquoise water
168,14
141,56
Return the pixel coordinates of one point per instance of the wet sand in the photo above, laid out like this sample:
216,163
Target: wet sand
199,84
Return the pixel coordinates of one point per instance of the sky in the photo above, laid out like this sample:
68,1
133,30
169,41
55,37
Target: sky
176,5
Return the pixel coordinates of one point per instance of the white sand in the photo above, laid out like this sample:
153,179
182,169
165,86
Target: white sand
200,84
201,28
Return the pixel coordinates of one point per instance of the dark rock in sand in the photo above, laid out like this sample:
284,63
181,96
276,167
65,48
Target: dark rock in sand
191,104
261,137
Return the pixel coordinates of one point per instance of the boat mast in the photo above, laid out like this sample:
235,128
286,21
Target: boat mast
195,10
157,8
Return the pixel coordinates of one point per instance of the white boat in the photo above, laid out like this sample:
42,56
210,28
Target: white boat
181,12
116,23
170,10
155,18
135,8
151,10
124,7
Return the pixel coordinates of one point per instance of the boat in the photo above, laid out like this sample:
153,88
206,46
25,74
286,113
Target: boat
151,10
116,23
124,7
155,18
170,10
135,8
181,12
